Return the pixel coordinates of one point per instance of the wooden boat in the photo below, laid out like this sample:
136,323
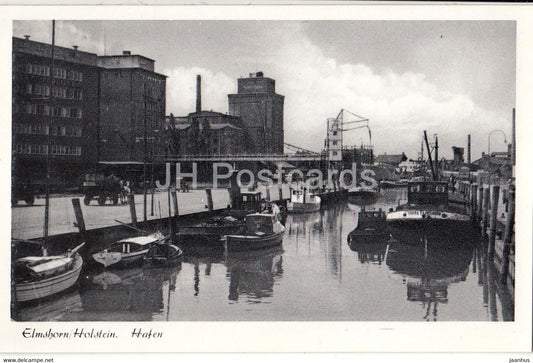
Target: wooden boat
163,254
211,229
128,251
303,202
362,194
429,216
371,228
37,277
261,230
427,202
389,184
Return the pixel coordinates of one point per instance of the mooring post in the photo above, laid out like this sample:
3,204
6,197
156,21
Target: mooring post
209,195
479,202
80,223
508,234
175,202
495,195
484,210
133,212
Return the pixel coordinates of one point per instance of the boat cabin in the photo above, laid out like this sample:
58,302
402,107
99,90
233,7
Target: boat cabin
427,192
134,244
249,201
260,223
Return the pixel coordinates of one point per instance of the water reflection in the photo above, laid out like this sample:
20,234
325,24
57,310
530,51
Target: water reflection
313,275
253,274
127,294
427,272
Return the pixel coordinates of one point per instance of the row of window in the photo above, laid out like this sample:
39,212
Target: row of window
43,149
58,92
43,130
153,107
44,110
61,73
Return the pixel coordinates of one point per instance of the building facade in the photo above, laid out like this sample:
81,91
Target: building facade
60,102
132,106
261,111
205,133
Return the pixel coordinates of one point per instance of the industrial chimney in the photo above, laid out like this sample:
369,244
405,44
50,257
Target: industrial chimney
468,151
198,94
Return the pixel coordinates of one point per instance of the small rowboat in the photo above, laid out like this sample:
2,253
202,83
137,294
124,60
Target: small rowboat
163,254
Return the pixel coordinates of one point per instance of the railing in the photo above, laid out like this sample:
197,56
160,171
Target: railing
243,157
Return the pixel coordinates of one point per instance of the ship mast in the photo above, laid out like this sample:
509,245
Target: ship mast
49,140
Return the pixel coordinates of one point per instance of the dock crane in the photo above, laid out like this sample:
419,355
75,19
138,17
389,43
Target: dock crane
345,121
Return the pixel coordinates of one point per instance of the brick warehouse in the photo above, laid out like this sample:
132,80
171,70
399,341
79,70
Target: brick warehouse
100,107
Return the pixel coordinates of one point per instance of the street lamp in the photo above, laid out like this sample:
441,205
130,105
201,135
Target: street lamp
490,134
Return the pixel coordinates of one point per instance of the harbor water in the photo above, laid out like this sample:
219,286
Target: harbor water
314,275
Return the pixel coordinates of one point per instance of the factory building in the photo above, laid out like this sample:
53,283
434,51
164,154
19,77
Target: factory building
261,111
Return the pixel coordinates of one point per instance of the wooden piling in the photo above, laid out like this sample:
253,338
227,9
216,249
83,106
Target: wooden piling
209,195
133,212
268,193
484,210
79,215
175,202
479,198
495,195
508,235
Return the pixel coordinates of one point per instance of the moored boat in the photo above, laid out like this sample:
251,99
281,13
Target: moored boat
429,214
371,228
37,277
261,230
303,202
128,251
163,254
362,194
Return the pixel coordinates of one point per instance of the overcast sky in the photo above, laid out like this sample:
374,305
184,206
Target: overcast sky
450,78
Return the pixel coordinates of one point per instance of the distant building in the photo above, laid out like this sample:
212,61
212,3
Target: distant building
261,111
133,97
458,155
390,160
409,166
205,133
73,86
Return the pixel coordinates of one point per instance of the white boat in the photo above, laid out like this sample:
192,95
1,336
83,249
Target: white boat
303,202
129,250
37,277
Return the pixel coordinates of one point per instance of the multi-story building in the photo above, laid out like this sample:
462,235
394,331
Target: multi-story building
132,107
61,103
261,111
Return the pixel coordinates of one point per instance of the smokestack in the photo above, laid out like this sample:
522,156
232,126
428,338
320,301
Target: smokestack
27,37
468,151
198,94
